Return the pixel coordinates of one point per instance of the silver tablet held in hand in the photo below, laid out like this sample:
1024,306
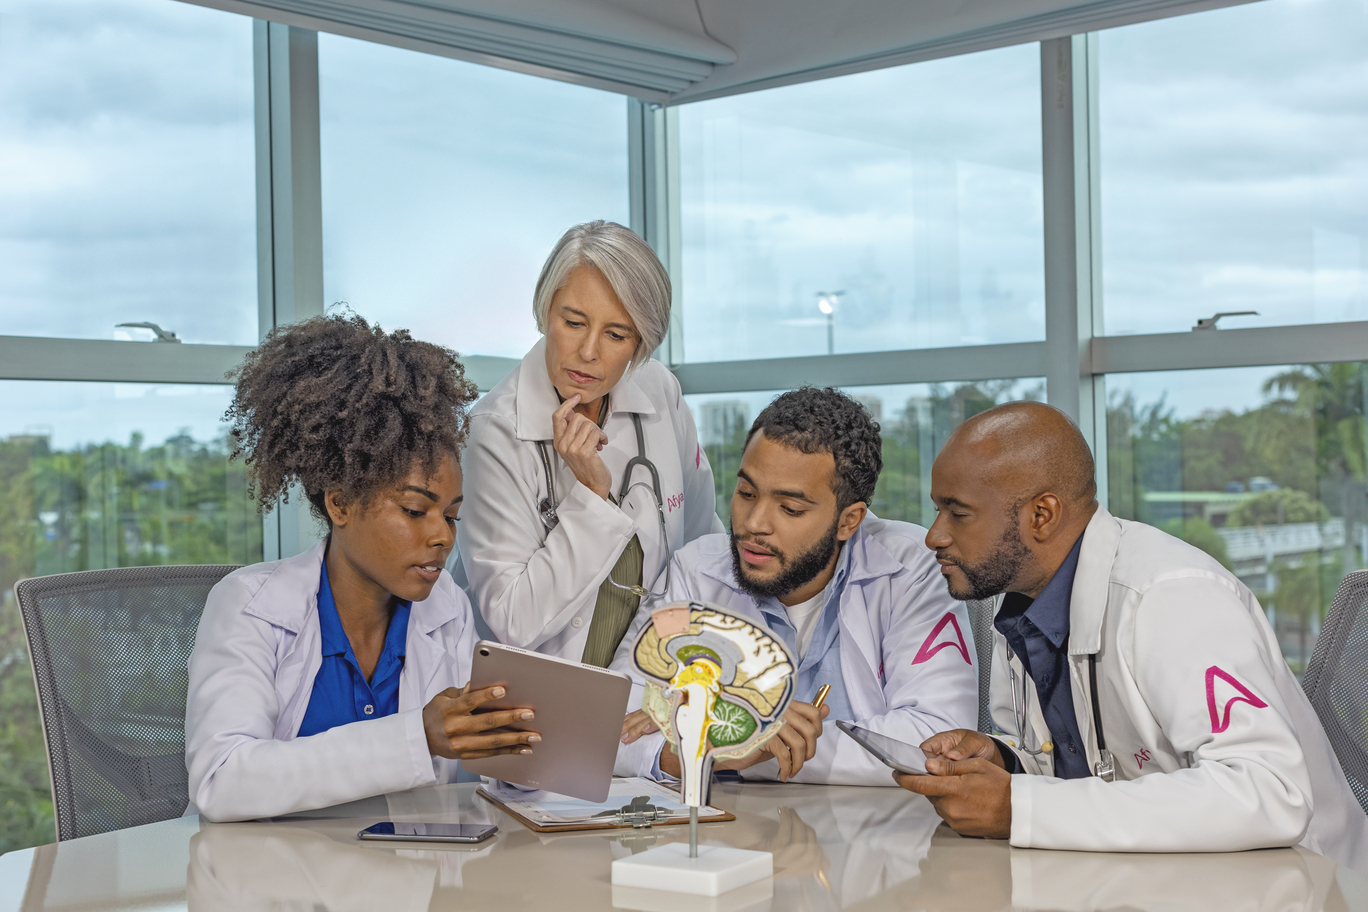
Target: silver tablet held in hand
579,712
898,755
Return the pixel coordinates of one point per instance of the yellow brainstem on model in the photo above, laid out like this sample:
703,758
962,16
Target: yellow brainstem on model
716,684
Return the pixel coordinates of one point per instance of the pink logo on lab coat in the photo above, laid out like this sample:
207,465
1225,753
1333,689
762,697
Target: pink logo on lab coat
698,455
1141,757
931,646
1219,725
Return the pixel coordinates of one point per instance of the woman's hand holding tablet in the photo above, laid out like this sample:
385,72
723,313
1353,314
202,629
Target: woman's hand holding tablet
455,731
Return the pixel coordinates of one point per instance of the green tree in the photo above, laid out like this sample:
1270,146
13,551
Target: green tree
1284,505
1200,534
91,507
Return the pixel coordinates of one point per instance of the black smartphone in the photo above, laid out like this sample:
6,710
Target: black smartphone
429,832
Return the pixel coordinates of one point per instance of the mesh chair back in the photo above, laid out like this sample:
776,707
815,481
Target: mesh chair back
981,621
110,652
1336,680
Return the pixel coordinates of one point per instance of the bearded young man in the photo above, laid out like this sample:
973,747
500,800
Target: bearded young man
859,600
1139,697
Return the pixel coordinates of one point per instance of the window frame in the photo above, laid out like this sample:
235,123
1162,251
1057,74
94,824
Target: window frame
1075,356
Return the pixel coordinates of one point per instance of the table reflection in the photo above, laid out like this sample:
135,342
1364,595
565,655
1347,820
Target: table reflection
834,848
273,865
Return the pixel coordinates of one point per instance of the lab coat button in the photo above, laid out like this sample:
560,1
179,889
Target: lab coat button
577,623
369,709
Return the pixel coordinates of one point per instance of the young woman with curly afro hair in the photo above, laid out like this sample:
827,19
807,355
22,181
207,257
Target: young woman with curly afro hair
339,673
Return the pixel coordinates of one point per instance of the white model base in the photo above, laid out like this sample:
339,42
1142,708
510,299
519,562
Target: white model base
716,870
753,897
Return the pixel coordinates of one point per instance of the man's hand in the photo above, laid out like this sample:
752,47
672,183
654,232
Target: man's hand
963,744
794,745
974,796
637,724
578,441
455,733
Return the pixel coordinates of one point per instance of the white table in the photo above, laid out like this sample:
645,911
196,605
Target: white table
862,848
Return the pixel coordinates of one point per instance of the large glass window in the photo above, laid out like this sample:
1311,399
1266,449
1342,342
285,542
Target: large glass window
445,184
899,208
127,181
96,475
914,418
1234,166
1262,468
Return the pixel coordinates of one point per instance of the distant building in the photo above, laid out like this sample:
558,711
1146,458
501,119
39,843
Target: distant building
873,405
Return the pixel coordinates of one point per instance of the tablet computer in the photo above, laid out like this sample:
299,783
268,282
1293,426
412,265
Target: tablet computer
579,710
898,755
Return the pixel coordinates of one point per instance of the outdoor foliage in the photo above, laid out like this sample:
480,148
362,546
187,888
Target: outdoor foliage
88,508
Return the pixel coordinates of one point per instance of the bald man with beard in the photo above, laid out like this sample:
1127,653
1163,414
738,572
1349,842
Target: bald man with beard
1140,702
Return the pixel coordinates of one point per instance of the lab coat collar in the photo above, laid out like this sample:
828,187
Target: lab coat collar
1088,601
289,595
537,398
868,558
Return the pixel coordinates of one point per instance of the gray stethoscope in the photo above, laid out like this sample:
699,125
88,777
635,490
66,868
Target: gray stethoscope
547,508
1104,768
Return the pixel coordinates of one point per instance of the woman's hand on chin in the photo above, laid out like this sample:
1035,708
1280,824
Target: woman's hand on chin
578,441
456,732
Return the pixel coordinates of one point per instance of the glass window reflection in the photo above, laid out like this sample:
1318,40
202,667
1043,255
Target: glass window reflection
445,184
103,475
127,170
1234,170
1262,468
899,208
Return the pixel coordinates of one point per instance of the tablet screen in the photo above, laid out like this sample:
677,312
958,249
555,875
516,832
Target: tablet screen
898,755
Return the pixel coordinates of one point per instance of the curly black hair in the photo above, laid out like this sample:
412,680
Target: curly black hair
813,420
335,403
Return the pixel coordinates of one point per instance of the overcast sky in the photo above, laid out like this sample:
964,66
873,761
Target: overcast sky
1234,176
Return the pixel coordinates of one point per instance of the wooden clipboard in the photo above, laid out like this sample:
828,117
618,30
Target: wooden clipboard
602,824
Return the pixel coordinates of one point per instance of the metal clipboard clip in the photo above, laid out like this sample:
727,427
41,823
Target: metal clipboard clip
638,815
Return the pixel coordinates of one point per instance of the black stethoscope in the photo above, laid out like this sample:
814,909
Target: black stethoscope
1104,768
547,508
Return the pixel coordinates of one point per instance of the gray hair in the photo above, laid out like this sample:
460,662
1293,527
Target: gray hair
628,263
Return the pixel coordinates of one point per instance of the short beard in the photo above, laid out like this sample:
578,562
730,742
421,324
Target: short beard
793,574
997,572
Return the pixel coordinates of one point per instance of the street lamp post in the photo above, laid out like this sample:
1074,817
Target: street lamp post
826,303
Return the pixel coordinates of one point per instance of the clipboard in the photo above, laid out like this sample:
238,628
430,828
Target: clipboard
635,816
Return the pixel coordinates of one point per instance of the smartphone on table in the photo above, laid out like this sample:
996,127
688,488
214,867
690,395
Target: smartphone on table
429,832
895,754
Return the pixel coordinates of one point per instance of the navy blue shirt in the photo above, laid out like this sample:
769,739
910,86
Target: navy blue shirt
1038,632
341,694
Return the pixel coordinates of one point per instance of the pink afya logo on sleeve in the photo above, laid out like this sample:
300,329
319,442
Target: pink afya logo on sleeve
1245,695
935,642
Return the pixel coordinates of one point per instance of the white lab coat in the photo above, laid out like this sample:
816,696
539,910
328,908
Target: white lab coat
909,672
1181,647
536,590
257,653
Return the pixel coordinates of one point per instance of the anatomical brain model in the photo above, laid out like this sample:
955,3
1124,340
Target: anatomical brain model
716,684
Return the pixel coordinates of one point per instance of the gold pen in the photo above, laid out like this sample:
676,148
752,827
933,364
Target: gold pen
821,696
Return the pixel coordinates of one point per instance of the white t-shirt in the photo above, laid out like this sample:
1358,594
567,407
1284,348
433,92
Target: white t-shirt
803,616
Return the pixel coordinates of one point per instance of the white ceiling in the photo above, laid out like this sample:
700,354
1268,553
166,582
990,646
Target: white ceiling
685,50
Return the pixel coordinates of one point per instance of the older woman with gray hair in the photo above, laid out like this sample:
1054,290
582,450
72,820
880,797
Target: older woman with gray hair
583,469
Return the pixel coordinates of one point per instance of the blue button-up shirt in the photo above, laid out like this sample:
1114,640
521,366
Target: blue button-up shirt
1038,632
821,664
341,694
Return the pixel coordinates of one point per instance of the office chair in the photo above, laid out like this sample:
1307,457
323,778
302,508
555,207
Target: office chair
1336,680
110,651
981,622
